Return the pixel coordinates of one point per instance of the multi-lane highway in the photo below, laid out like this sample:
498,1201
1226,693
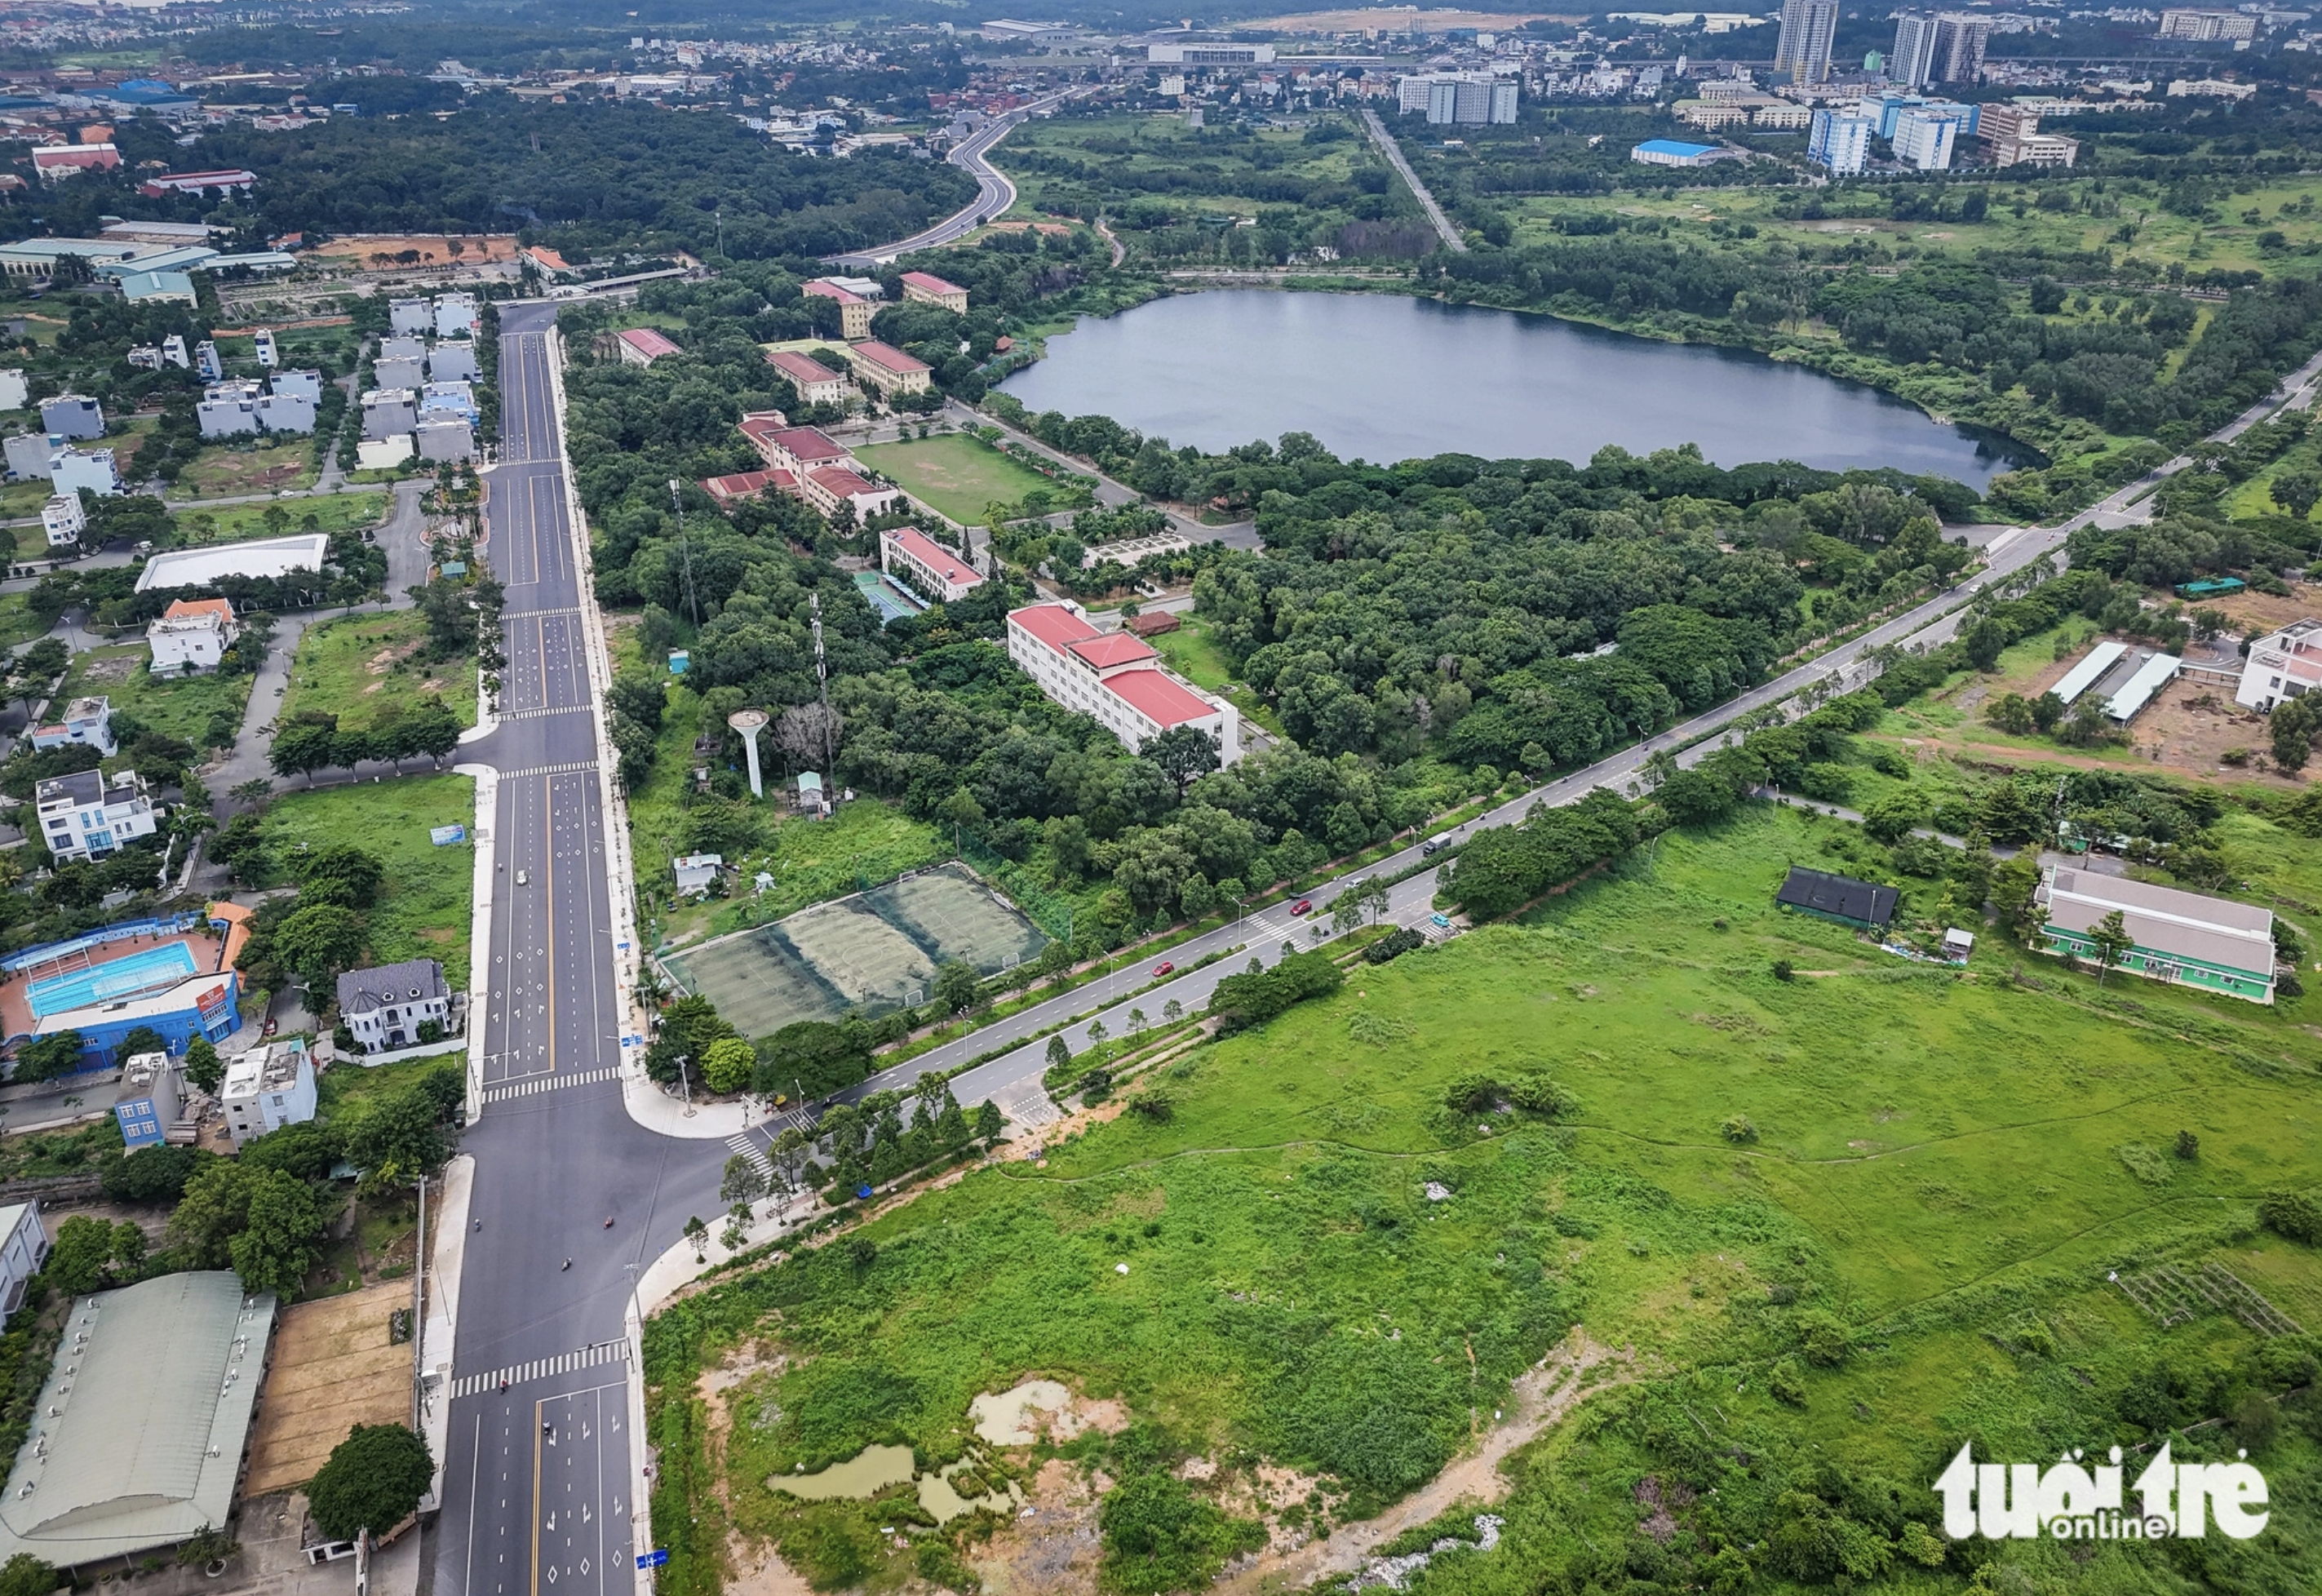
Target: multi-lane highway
993,192
537,1494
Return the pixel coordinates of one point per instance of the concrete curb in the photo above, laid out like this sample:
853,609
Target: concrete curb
439,1335
479,929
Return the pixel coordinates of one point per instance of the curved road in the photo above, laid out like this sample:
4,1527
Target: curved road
994,193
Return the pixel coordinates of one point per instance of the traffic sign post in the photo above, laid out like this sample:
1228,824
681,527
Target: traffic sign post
653,1559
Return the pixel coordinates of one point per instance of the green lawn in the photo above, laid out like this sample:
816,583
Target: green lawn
203,711
1940,1171
1194,655
359,667
425,907
18,624
864,843
332,512
955,474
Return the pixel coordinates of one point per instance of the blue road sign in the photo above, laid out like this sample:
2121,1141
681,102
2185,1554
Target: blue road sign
653,1559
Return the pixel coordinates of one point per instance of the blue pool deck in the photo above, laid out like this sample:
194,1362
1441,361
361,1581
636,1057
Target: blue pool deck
136,972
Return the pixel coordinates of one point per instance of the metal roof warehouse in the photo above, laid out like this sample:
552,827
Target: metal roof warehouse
1842,898
2184,938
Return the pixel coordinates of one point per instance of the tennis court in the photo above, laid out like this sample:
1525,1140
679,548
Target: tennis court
887,596
132,972
871,953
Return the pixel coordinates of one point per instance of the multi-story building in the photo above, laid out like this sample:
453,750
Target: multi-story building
22,1254
63,519
1114,677
453,362
13,390
2206,27
28,456
1959,43
86,815
827,487
794,449
1471,99
208,364
887,369
927,566
925,288
817,384
389,412
385,1006
192,635
228,410
855,311
1803,49
444,435
2011,136
86,720
2281,666
72,417
269,354
148,1100
1913,62
72,470
455,315
1841,141
409,317
1924,137
268,1087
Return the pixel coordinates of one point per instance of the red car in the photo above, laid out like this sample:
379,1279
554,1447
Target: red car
1164,968
1302,905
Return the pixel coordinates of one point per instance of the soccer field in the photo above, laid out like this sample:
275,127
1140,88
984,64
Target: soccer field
954,475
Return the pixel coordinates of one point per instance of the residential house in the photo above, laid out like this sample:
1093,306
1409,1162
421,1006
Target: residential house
386,1006
28,456
268,1087
23,1253
453,362
72,417
409,318
192,635
63,519
455,315
2284,664
86,815
389,412
72,470
13,391
695,873
445,435
149,1100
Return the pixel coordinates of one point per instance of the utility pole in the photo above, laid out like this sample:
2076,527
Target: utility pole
685,553
822,687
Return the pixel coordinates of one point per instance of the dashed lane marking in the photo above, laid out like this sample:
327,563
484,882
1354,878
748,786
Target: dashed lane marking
588,1357
501,1091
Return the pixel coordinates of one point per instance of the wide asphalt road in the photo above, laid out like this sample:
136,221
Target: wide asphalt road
536,1495
993,192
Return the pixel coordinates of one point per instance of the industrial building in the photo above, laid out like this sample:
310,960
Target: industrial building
1673,152
937,572
1862,904
385,1006
261,556
138,1436
2185,938
1114,677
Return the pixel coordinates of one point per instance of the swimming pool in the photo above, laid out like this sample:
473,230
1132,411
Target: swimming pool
135,972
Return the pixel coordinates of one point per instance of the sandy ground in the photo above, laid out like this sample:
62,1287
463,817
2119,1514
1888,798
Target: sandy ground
434,248
1397,19
333,1369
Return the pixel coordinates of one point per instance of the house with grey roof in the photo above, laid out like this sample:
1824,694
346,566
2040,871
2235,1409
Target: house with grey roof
386,1006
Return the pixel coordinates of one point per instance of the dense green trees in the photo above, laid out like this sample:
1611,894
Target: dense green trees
373,1480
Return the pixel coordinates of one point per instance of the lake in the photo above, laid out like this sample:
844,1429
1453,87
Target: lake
1382,377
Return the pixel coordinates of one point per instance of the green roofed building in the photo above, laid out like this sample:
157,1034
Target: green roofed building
2182,937
1862,904
137,1442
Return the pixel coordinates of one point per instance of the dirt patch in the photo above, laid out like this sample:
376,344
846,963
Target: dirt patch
1052,1545
381,250
751,1569
1542,1395
119,668
333,1367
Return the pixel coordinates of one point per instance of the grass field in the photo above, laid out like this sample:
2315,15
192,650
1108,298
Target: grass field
425,907
1194,655
227,470
954,475
358,666
203,711
18,624
865,842
333,512
1942,1169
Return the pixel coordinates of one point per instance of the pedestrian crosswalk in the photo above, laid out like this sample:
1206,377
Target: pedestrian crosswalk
1032,1110
546,711
749,1147
501,1091
515,1374
574,768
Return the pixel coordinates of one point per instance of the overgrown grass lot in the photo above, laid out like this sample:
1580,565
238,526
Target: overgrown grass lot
427,895
1812,1230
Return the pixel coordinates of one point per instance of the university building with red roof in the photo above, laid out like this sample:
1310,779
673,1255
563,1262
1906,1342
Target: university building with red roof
1114,677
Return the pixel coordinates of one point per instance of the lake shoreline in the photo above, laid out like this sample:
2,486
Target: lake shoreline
1974,453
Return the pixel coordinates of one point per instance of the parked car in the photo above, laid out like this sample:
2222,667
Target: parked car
1164,967
1302,905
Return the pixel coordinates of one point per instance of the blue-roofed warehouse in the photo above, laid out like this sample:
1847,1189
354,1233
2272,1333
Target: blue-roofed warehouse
1674,152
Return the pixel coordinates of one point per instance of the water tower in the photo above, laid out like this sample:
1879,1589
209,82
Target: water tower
749,723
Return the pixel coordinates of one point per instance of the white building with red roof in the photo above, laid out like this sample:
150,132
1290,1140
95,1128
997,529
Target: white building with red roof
829,486
641,346
69,160
748,484
1115,677
817,384
925,288
855,311
927,566
192,635
887,369
2281,665
796,450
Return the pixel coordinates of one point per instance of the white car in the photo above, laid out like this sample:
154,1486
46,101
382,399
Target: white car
523,878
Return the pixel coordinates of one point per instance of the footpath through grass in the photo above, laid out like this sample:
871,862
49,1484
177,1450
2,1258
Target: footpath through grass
425,902
1889,1192
362,668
